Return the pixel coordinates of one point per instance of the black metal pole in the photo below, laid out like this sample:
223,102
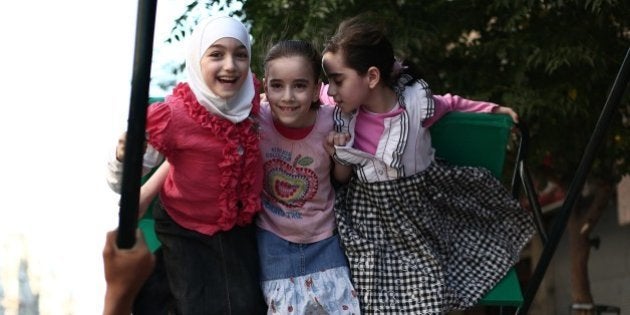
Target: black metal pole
136,123
614,97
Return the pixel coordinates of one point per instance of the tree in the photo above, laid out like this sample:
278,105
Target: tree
551,60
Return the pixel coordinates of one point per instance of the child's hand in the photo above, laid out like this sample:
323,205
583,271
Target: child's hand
120,148
506,111
335,138
341,170
151,188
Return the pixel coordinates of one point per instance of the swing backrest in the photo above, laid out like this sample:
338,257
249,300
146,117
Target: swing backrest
473,139
476,139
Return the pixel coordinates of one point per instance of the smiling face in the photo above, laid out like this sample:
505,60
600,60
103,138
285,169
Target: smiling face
291,88
224,66
347,87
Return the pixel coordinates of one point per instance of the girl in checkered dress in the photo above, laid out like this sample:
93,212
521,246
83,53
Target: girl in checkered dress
421,236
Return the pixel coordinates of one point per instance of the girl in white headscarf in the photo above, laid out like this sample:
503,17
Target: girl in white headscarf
206,129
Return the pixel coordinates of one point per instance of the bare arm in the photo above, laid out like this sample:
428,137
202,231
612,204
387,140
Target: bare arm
152,187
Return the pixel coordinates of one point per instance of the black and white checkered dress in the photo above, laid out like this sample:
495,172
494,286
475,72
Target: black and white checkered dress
426,243
431,242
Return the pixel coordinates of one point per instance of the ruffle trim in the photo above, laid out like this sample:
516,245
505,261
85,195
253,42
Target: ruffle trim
238,200
423,94
326,292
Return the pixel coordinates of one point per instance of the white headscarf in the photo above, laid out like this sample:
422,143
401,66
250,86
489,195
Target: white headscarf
237,107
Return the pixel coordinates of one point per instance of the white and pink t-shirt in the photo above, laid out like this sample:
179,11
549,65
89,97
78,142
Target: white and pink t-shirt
298,196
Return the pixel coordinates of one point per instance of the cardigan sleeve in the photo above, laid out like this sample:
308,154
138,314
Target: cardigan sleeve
454,103
158,115
150,160
158,118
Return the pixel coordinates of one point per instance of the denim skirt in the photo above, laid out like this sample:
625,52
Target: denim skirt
305,278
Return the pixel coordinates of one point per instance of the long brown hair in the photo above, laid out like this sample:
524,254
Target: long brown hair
364,44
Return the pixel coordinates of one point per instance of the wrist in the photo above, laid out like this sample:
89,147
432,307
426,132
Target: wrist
118,301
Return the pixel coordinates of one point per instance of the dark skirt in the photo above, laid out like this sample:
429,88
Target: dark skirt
432,242
216,274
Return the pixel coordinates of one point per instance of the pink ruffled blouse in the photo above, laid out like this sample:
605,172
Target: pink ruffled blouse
215,179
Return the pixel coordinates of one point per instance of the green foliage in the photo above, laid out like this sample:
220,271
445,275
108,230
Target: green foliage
552,61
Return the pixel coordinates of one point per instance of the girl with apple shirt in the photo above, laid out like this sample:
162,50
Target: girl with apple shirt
303,266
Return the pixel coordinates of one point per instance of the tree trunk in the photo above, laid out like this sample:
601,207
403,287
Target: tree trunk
584,217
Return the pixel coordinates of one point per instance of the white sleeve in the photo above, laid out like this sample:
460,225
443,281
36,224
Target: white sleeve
150,160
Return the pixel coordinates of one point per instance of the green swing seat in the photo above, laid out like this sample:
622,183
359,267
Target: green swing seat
479,140
462,139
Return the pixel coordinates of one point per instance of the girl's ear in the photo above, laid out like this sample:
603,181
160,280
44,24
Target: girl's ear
315,96
373,76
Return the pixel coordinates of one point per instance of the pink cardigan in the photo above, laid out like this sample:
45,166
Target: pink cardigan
215,179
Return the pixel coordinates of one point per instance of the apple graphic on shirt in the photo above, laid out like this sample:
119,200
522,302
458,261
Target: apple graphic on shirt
291,184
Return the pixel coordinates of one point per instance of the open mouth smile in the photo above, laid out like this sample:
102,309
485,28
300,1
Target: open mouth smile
287,108
228,80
